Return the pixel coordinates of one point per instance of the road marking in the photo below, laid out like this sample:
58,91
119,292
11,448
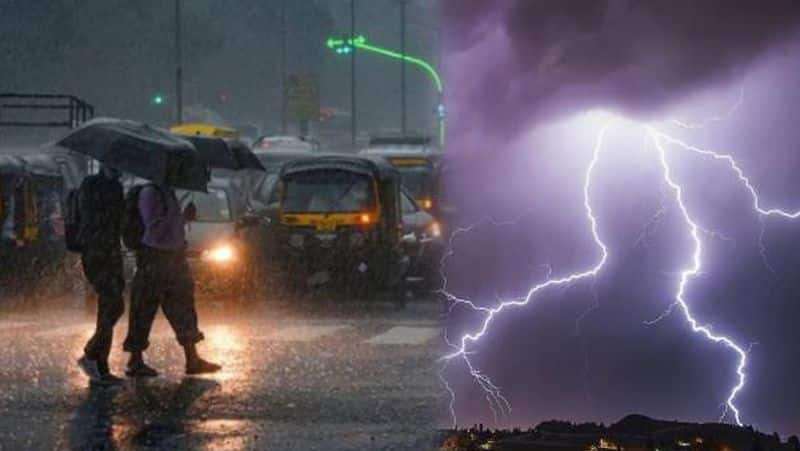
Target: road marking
307,332
403,335
64,331
416,323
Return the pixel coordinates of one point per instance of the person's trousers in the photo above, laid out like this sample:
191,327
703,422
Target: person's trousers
163,278
103,270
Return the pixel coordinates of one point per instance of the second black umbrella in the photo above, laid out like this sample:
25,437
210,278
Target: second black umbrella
224,153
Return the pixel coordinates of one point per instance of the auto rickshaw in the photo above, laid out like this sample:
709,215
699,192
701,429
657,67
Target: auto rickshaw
218,131
419,164
262,196
32,189
338,221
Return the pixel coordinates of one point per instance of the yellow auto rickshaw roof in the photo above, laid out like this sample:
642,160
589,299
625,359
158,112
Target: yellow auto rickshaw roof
205,130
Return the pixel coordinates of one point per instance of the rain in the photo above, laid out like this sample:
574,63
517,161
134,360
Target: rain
209,240
399,225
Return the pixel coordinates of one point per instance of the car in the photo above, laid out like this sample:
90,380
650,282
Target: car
221,247
423,241
290,143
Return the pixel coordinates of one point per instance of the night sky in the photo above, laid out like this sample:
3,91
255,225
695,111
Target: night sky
522,76
118,54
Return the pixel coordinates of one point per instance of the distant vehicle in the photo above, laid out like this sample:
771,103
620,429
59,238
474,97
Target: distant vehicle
218,131
285,143
419,163
33,189
338,220
221,249
423,242
262,186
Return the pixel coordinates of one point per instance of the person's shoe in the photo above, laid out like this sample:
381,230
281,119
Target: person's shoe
89,368
140,370
200,366
108,380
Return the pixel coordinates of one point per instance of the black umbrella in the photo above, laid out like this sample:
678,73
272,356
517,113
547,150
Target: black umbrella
141,150
11,165
224,153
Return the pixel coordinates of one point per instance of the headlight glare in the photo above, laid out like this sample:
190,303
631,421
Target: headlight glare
223,253
435,230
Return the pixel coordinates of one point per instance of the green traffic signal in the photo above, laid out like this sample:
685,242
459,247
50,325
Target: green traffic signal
158,99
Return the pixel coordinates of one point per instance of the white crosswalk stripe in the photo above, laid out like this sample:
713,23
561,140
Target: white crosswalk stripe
305,332
405,335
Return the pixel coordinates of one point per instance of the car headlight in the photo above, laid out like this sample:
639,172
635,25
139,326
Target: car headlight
223,253
434,230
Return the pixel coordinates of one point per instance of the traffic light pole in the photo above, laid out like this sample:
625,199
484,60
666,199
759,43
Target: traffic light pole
403,123
284,72
353,122
178,65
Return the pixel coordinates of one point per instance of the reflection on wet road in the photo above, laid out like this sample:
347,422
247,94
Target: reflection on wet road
290,380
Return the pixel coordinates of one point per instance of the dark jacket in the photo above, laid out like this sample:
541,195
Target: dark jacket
101,203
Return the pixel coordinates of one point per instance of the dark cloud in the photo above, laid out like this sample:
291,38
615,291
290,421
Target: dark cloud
517,61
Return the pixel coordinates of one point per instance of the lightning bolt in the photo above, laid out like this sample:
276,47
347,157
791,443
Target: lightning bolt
762,211
462,348
692,271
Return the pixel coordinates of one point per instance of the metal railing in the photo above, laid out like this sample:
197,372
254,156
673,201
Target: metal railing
13,105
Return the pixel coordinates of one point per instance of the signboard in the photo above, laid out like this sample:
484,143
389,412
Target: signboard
303,97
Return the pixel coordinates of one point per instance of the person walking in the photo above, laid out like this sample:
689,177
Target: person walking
100,206
163,278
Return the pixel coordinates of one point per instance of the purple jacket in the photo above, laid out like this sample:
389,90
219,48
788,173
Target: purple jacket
163,219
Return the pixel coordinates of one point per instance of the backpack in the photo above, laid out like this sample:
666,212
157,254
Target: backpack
132,223
72,222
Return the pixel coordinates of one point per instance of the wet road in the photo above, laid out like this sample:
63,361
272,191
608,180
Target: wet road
317,379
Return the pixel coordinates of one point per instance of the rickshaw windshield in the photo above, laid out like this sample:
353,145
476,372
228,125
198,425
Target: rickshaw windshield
212,206
415,179
327,191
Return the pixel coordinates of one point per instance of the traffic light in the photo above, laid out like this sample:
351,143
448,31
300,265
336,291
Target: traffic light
344,50
345,46
158,99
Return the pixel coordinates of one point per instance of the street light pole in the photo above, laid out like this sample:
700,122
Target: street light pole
353,122
178,65
403,123
284,74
